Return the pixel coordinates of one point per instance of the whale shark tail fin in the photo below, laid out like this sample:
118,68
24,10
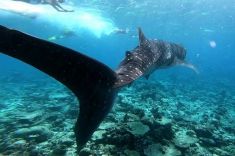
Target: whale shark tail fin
91,81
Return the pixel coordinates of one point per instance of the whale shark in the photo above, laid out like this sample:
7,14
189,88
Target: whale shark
94,84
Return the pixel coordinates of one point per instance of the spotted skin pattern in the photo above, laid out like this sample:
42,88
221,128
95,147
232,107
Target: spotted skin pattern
148,56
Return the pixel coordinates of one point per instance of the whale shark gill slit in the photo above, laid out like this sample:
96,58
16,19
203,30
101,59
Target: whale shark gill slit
91,81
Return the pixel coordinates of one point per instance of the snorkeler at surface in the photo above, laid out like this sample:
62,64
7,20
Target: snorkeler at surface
54,3
69,33
121,31
124,32
65,34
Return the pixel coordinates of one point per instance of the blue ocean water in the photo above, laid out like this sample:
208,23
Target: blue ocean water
206,28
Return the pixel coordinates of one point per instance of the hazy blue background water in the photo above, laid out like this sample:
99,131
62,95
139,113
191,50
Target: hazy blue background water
194,24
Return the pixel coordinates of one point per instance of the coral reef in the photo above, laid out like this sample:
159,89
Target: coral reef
148,119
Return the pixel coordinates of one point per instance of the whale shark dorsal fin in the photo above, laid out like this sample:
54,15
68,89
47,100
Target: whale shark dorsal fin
142,38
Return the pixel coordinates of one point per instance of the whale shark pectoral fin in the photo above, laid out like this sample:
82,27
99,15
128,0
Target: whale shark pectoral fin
91,81
186,64
191,66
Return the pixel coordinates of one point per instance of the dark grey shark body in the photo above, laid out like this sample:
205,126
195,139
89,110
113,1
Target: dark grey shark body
92,82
